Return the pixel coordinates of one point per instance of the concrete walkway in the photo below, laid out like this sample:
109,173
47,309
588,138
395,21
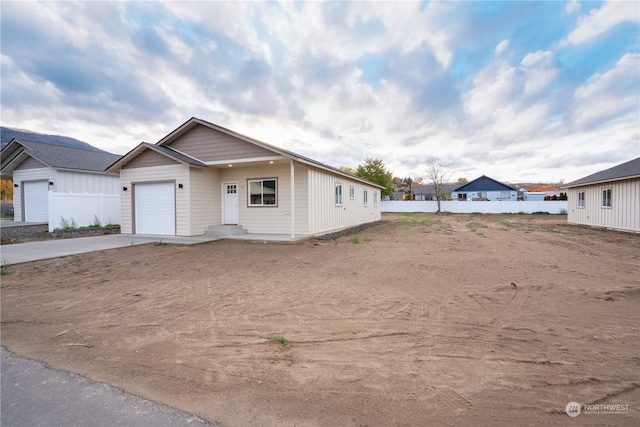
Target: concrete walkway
34,395
35,251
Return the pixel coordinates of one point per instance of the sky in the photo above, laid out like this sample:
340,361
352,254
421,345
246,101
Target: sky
518,91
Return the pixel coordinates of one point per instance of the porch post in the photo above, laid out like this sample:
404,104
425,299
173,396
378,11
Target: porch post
293,203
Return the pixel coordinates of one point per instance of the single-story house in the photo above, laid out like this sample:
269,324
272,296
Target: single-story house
609,198
202,175
427,191
38,168
484,188
537,196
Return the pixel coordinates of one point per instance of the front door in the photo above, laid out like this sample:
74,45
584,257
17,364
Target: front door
230,202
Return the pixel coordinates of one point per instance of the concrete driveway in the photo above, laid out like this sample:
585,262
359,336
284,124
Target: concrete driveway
35,251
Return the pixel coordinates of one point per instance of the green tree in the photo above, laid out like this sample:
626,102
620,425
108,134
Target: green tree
374,170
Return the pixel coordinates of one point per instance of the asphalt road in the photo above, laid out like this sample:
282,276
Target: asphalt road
34,395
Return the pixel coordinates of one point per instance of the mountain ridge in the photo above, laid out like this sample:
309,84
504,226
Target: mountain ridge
7,134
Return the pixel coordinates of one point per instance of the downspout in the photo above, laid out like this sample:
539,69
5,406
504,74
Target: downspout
293,204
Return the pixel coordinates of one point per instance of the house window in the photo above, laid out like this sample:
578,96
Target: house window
263,192
482,194
338,194
375,198
581,199
606,198
462,196
365,197
352,192
505,195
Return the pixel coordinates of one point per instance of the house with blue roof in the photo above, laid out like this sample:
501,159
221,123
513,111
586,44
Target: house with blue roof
483,189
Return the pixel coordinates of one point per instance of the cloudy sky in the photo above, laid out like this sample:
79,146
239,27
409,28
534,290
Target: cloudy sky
519,91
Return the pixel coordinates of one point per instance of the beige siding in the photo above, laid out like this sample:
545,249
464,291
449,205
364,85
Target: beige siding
624,213
204,195
267,219
301,183
209,145
84,182
177,172
325,216
20,176
31,163
149,158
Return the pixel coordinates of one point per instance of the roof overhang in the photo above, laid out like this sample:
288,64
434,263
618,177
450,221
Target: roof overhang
193,122
114,168
601,181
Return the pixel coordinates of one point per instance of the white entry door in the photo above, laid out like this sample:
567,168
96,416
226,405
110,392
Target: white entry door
155,208
230,202
36,201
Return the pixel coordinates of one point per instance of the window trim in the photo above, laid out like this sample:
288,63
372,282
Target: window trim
581,199
338,195
375,199
365,198
352,192
262,205
607,203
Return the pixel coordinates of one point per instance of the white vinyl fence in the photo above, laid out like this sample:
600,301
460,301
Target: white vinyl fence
493,207
83,208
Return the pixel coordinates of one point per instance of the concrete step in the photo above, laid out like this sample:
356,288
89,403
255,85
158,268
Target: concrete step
225,230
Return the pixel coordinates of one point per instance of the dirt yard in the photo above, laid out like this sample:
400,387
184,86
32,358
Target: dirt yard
423,320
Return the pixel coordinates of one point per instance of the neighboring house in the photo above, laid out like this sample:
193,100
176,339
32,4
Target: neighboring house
203,175
609,198
530,196
484,188
37,168
427,192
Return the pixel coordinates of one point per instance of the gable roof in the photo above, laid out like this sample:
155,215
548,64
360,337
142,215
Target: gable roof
194,121
165,151
627,170
484,183
53,156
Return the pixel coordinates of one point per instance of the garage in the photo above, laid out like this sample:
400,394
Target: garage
155,208
36,201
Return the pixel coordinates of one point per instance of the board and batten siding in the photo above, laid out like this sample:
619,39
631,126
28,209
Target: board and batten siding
176,172
22,175
210,145
325,216
204,188
624,213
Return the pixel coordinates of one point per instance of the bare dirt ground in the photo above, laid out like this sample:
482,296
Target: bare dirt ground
424,320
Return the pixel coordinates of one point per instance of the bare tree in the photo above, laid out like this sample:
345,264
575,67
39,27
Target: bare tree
438,174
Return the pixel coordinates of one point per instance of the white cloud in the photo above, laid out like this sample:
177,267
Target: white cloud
502,47
572,6
608,96
599,21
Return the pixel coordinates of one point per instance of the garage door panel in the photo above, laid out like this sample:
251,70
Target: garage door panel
155,208
36,201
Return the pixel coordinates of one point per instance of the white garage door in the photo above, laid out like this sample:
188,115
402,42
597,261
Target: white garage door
36,201
155,208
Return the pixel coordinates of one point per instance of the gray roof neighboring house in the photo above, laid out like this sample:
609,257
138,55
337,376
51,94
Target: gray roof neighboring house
627,170
53,156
